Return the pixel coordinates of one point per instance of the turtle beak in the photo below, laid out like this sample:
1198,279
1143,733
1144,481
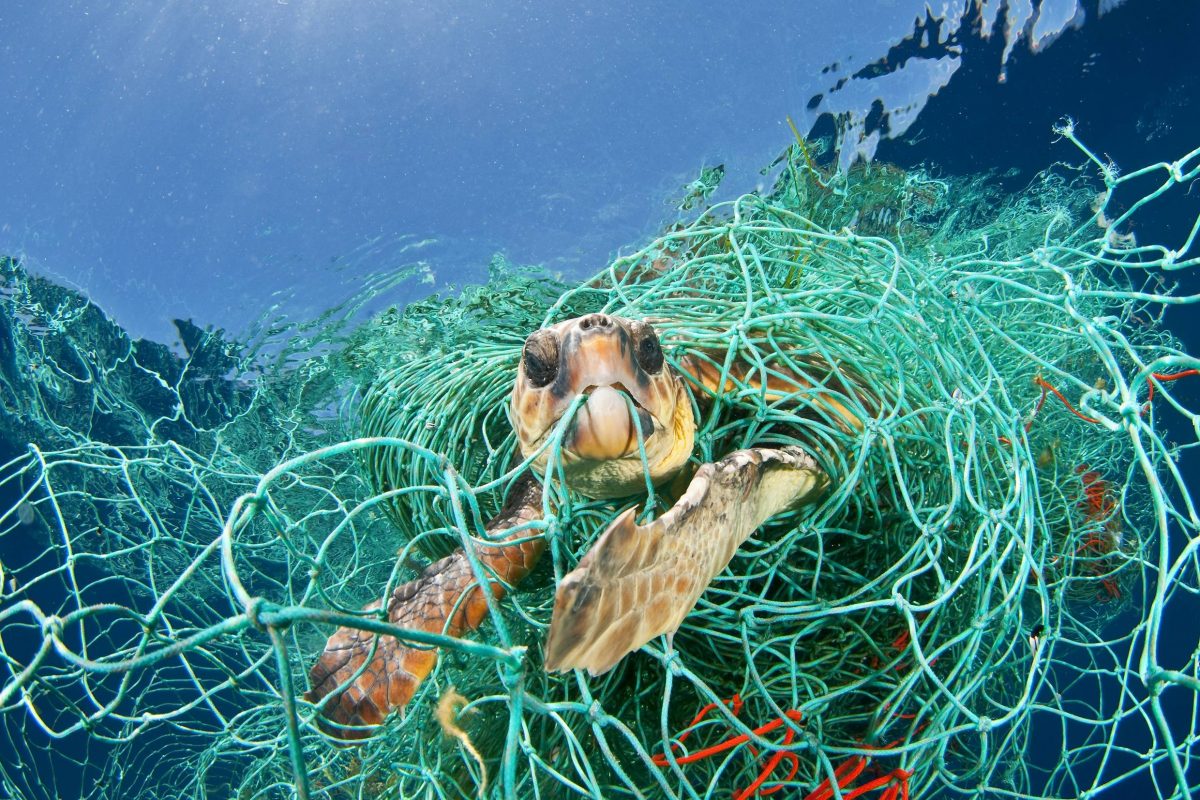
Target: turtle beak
612,402
603,428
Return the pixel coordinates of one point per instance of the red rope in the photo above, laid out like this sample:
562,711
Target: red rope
1165,377
774,761
845,774
1045,386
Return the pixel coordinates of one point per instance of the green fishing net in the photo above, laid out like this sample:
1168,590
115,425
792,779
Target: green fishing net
982,605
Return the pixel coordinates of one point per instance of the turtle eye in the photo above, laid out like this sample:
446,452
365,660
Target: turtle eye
649,351
541,358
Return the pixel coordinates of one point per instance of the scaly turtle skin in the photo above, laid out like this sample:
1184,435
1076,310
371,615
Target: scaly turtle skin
638,581
599,356
445,598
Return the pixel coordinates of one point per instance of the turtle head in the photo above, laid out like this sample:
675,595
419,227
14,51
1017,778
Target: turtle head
605,359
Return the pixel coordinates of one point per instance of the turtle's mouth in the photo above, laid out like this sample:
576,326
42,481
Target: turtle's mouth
604,429
612,372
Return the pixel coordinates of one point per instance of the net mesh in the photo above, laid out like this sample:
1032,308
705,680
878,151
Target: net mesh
984,603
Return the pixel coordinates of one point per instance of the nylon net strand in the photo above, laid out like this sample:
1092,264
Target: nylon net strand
981,605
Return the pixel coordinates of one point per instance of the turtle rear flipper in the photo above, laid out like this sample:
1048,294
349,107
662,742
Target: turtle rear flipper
816,387
362,676
640,581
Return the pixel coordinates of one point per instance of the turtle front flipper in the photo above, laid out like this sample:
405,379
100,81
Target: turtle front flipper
640,581
445,598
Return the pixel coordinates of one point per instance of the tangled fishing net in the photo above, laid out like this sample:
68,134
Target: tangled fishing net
983,604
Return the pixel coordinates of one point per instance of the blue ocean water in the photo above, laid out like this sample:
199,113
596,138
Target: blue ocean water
207,162
204,161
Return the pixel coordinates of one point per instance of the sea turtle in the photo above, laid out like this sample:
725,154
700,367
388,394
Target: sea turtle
638,581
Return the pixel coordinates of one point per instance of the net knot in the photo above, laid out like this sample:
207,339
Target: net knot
512,670
52,626
984,725
253,611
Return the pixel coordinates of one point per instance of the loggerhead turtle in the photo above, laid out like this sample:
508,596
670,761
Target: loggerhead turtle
638,581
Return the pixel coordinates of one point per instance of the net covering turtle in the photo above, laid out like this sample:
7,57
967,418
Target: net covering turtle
981,602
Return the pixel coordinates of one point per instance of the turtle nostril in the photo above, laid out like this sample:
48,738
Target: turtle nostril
595,321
